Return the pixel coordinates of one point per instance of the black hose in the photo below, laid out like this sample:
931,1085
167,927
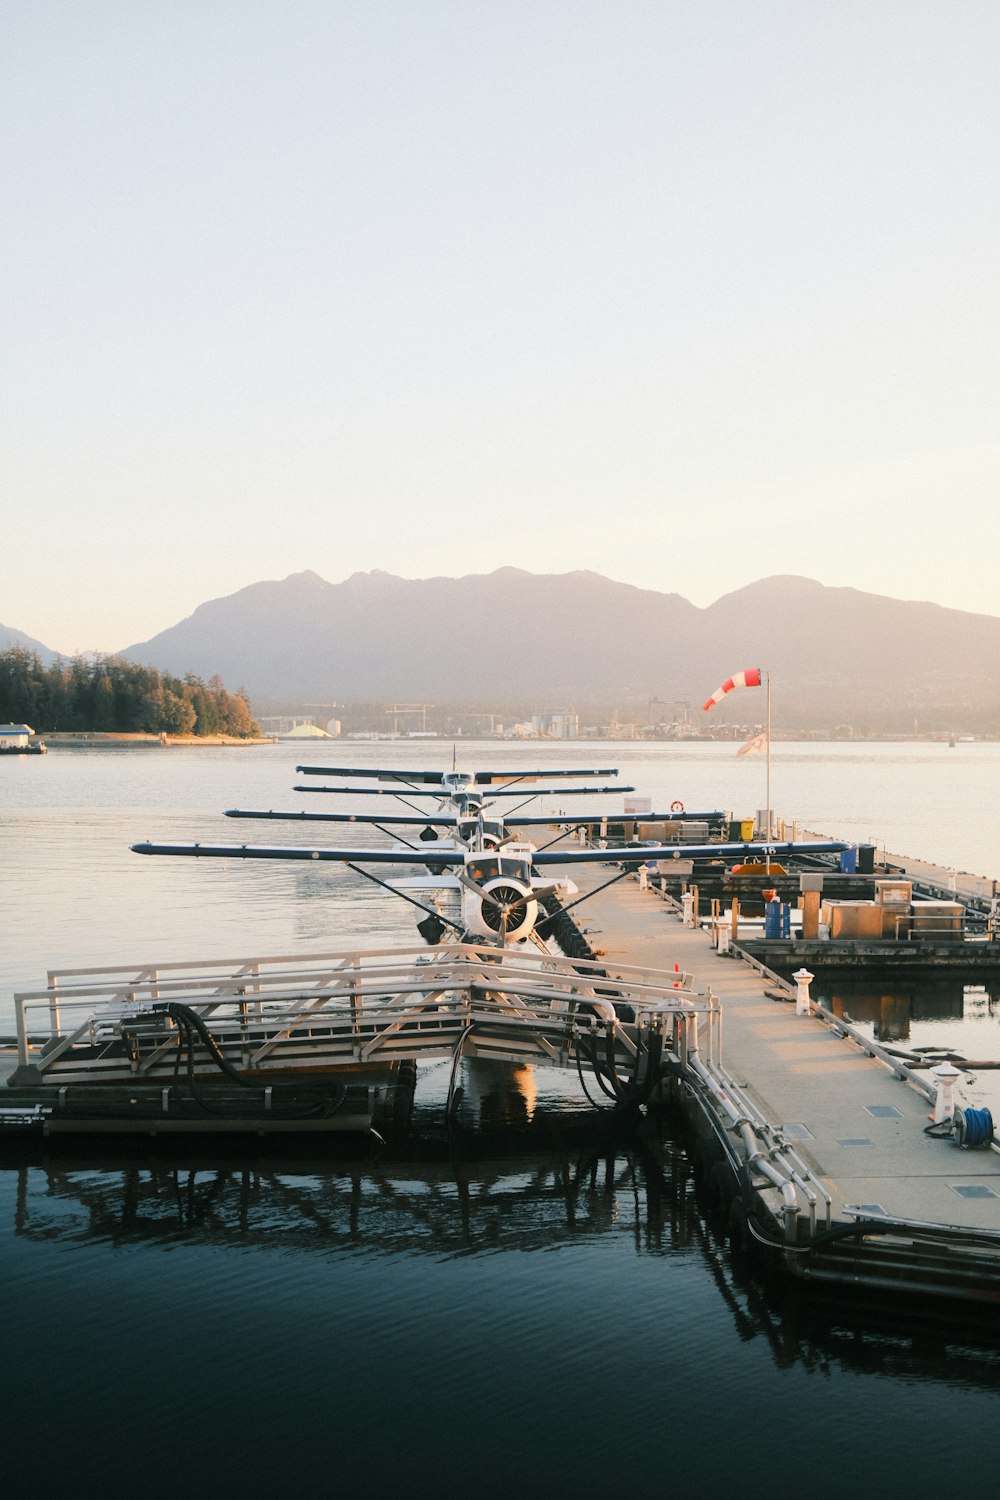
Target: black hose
322,1100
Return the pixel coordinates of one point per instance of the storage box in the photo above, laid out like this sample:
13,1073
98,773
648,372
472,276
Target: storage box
933,919
895,920
852,919
676,833
894,892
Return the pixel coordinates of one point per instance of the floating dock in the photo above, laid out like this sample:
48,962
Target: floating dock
812,1140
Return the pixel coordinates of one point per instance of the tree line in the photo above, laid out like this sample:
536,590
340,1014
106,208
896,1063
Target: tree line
110,695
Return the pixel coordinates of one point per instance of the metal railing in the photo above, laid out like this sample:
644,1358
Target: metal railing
344,1009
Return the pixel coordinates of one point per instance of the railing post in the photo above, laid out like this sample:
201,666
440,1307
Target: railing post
54,1020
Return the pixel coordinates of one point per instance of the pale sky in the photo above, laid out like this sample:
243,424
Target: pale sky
688,293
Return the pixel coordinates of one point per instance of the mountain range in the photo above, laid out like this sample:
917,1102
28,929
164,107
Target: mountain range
514,640
578,640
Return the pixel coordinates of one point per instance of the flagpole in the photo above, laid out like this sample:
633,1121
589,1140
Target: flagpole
767,798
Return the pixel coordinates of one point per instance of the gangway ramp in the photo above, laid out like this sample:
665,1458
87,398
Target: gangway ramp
282,1016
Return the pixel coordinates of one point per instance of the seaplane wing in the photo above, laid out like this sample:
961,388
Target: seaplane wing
429,820
632,854
638,854
488,778
432,778
437,778
555,791
279,851
571,820
402,790
451,820
516,791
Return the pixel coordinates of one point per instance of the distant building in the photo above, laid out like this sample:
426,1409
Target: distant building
15,735
558,726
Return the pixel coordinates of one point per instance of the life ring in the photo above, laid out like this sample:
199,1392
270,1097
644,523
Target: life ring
677,807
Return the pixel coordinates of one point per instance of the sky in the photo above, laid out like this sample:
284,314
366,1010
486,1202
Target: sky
688,293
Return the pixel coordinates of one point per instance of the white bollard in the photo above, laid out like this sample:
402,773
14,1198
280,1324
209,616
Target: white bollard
944,1105
687,905
643,877
723,937
803,979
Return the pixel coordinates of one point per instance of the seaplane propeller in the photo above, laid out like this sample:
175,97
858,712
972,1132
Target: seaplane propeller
507,906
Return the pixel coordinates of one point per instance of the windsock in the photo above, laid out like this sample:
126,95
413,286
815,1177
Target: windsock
749,678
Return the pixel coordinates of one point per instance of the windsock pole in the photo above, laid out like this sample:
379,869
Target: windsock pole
767,795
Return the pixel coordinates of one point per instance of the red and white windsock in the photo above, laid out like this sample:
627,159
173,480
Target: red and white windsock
749,678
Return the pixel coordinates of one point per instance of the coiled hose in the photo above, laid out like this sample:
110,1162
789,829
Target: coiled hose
973,1128
970,1128
323,1100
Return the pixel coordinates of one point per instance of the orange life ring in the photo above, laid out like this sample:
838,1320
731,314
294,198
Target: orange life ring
677,807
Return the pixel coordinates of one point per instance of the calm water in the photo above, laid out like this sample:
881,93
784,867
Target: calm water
545,1317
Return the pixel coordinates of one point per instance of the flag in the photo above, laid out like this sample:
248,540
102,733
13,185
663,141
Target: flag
749,678
755,742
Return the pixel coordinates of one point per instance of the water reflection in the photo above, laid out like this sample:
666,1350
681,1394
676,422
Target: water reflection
901,1012
453,1207
438,1208
892,1012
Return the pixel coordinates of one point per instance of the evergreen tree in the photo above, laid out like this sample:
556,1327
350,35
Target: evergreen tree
113,695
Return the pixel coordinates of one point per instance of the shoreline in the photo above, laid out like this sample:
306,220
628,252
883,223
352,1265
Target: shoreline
97,739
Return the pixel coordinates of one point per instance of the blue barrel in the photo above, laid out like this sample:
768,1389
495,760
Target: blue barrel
772,919
848,861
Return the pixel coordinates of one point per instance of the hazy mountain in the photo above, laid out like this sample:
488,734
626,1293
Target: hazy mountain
580,640
10,637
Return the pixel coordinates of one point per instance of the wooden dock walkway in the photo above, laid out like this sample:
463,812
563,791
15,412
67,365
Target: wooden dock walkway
858,1125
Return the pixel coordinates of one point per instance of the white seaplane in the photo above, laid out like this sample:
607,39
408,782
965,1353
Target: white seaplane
500,880
464,808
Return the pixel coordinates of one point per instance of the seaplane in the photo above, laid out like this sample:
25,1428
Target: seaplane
465,809
501,881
